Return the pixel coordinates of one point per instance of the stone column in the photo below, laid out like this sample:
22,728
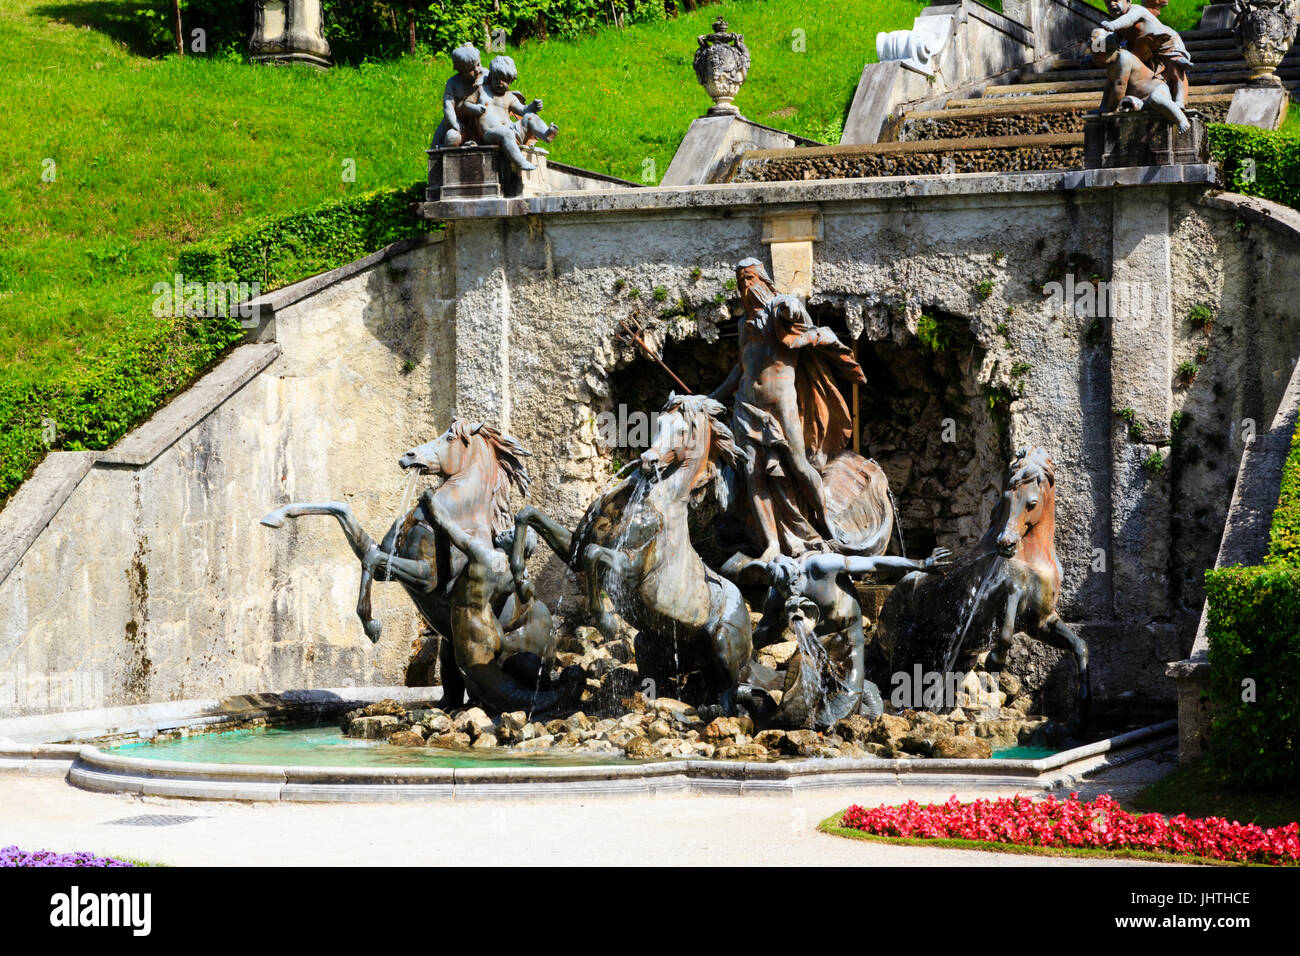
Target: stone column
1141,314
481,322
289,31
789,236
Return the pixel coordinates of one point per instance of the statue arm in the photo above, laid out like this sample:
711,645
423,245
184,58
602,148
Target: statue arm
449,106
728,387
1126,20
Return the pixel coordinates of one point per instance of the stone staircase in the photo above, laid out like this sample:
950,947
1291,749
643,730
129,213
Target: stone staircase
1053,103
1032,123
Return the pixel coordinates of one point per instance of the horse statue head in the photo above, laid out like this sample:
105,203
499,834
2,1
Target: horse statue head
691,439
1024,522
474,457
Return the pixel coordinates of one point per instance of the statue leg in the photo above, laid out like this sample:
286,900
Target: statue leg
760,500
453,683
506,138
597,562
537,128
1055,632
1163,103
557,537
1007,632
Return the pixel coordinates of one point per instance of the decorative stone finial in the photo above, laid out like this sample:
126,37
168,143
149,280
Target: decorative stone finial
721,64
1265,30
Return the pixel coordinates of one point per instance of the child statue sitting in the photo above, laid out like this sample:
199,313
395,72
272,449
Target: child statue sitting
1130,83
496,106
1155,44
460,126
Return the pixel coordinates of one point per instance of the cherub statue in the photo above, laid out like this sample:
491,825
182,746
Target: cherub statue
497,105
1152,42
818,589
460,126
1130,83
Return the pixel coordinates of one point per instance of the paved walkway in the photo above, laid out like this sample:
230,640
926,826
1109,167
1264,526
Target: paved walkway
44,812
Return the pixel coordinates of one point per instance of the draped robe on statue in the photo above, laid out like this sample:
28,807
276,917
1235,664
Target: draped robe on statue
819,359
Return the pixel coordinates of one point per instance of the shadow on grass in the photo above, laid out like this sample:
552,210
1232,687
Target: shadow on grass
129,23
1200,791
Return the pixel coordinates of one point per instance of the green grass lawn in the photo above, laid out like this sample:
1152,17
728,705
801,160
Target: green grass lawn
152,154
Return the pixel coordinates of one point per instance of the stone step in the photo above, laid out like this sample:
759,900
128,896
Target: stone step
1290,79
926,158
1190,36
1016,120
1222,43
1289,70
1206,59
1030,100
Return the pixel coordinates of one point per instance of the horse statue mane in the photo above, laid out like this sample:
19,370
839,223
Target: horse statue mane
699,411
1031,464
508,455
695,409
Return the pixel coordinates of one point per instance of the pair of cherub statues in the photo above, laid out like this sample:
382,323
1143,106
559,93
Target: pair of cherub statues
487,111
1146,62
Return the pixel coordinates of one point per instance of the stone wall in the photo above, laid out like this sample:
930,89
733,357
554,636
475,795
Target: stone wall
173,589
156,582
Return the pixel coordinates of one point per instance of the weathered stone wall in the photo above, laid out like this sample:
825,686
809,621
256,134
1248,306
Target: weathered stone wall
158,583
175,590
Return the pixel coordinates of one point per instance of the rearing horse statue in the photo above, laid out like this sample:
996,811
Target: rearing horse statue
1012,581
633,545
449,553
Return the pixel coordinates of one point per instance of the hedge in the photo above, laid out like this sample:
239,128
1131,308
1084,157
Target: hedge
154,358
1253,628
1258,162
275,251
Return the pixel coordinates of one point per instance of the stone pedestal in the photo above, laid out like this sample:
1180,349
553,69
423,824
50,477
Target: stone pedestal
483,172
1142,138
287,32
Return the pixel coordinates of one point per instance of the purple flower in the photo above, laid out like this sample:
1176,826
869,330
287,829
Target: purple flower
12,856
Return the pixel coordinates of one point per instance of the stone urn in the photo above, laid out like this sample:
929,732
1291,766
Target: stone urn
289,31
721,63
1265,31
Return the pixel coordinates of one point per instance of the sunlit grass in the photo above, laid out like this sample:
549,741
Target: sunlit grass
149,155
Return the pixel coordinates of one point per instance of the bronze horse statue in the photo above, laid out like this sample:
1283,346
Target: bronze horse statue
1012,581
633,546
449,553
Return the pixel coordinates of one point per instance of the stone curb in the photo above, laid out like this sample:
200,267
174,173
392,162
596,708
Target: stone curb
92,769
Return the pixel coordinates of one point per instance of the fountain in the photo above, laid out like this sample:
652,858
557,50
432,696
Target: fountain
670,669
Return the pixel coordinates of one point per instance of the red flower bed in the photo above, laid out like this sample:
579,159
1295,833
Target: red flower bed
1099,824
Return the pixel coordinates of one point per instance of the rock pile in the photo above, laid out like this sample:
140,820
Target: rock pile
663,728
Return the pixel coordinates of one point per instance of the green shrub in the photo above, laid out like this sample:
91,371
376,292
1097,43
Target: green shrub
1254,634
1257,162
1284,535
274,251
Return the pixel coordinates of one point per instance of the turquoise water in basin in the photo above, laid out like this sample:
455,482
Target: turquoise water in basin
327,747
1024,753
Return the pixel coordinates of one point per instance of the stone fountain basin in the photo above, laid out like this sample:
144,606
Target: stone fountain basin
75,745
